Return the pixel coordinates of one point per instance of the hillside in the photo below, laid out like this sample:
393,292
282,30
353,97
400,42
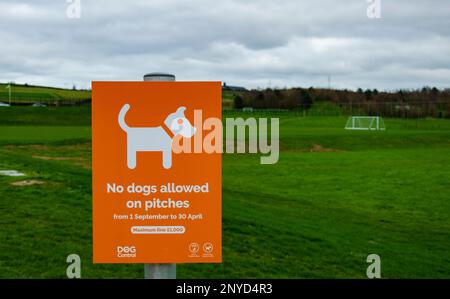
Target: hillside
28,94
22,94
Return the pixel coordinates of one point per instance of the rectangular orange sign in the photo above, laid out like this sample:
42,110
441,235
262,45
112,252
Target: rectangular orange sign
157,173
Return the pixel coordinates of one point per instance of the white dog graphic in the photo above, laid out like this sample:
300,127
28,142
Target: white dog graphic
155,139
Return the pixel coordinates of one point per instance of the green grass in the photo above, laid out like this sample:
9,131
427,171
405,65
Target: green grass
42,134
43,116
31,94
315,214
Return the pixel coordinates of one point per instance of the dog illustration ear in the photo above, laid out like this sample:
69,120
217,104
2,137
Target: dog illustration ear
181,109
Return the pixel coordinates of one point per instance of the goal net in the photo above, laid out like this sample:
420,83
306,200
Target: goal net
365,123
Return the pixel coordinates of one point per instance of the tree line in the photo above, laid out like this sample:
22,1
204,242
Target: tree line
425,102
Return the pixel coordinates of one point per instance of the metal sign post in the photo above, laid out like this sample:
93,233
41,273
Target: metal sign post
160,271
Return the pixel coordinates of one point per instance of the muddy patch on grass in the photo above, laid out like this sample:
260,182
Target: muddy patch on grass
19,147
48,158
51,158
317,148
27,183
76,154
74,160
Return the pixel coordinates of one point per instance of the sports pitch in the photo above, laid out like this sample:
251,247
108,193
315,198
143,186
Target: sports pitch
334,197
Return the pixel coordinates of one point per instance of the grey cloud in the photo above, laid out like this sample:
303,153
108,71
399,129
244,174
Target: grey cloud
289,43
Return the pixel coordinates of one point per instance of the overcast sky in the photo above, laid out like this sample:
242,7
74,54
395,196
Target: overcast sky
254,43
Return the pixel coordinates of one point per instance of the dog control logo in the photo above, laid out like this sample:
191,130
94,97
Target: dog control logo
155,139
126,251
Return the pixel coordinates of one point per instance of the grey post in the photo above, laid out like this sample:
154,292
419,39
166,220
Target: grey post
160,271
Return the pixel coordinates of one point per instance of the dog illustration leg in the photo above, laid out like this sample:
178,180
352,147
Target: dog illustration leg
167,157
131,157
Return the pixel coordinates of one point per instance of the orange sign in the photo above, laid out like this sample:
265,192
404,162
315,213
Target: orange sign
157,173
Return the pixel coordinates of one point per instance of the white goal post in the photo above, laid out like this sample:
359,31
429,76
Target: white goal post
365,123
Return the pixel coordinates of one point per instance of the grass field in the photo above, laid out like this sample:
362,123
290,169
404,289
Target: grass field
30,94
334,197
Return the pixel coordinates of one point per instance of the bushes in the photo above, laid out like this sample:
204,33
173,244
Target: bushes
238,102
426,102
292,99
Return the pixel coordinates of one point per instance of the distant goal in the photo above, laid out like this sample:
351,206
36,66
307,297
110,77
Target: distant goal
367,123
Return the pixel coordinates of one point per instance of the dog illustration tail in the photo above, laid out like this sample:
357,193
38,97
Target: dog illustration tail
122,113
